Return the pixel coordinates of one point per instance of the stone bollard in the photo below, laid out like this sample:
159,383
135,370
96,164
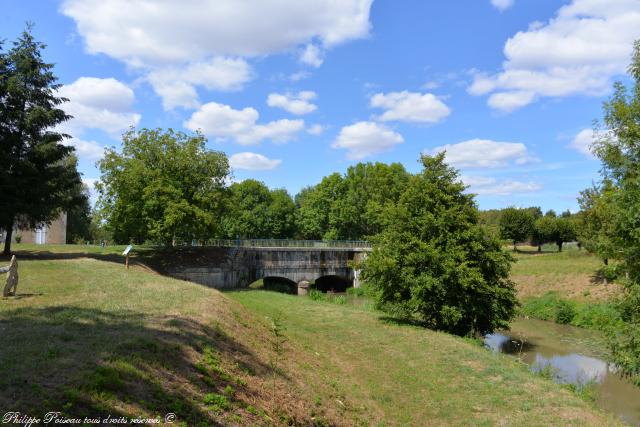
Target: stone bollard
303,287
12,278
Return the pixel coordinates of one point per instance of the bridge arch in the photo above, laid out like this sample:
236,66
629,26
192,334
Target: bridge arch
333,283
279,284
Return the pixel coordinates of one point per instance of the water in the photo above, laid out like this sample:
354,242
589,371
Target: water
576,356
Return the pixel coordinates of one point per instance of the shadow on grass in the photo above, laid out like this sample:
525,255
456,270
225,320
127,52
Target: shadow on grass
87,362
534,252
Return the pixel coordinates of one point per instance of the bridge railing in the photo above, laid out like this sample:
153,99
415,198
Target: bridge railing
286,243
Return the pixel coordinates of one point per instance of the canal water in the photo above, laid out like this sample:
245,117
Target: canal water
574,355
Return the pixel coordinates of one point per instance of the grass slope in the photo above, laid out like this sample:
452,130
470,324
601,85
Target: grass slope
571,274
391,374
88,338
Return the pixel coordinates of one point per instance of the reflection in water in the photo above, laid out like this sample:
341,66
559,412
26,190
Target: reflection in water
575,356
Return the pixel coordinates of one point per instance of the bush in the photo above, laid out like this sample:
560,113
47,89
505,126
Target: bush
316,295
565,312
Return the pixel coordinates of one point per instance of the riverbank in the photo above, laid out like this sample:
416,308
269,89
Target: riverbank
86,337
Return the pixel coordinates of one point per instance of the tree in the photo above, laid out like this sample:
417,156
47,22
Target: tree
516,225
38,174
350,206
255,212
544,231
79,218
565,231
164,186
596,220
434,263
318,206
618,147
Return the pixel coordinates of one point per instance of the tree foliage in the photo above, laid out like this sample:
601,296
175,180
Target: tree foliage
38,174
164,186
434,263
618,146
516,225
352,206
79,218
255,212
597,218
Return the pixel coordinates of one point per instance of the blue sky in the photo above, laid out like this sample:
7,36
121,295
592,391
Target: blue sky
293,91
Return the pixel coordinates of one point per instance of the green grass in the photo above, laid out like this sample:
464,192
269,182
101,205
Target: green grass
387,373
89,338
600,316
569,261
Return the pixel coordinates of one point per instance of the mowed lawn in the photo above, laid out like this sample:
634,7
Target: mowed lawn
88,338
405,375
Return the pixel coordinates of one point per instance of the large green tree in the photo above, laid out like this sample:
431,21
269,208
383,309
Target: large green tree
435,264
38,174
516,225
164,186
255,212
350,206
618,146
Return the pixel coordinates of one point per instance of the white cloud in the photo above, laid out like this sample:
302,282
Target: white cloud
148,31
510,101
315,129
579,51
410,107
253,161
294,103
98,103
222,121
364,139
502,5
584,140
484,153
312,55
483,185
86,150
176,85
204,42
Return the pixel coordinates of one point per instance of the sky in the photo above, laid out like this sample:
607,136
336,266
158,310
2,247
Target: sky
292,91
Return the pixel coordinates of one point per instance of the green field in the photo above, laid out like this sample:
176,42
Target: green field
86,337
572,274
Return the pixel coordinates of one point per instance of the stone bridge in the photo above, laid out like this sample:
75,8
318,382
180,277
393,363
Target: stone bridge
238,263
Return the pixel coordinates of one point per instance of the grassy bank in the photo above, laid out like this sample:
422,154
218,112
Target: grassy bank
571,274
85,337
392,374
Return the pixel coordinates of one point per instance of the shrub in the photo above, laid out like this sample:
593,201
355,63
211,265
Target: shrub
565,312
316,295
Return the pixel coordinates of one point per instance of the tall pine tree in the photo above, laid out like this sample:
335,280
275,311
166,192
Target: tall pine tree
38,174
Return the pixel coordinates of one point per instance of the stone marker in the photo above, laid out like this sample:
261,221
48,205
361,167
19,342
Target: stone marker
12,278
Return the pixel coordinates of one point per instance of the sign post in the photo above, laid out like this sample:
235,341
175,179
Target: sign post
126,256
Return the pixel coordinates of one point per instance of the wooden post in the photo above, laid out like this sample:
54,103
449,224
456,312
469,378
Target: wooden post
126,261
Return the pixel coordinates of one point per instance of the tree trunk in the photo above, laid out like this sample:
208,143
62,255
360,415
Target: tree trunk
7,240
539,248
560,246
514,246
